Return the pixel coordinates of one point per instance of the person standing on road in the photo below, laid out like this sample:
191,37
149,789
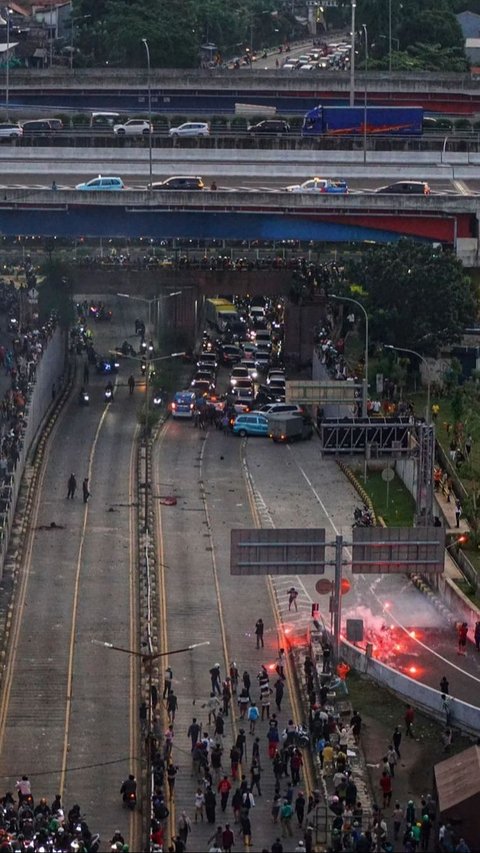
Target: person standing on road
241,742
462,631
255,777
85,490
409,718
167,682
172,771
444,686
396,740
71,486
131,384
226,696
458,512
292,598
391,760
259,628
386,786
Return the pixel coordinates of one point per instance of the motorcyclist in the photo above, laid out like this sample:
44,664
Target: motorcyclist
129,786
117,835
42,808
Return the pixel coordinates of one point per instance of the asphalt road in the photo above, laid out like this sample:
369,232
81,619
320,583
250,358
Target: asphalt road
69,712
243,183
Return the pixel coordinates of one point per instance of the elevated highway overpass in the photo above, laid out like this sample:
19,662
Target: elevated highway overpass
449,219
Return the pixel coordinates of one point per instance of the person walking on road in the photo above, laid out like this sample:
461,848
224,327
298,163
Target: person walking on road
131,384
167,682
228,839
458,512
224,787
172,706
279,689
292,598
215,679
386,786
71,487
252,716
85,490
194,732
259,628
444,686
255,777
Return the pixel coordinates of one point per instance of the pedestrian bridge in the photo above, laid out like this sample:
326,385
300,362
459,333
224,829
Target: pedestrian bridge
223,215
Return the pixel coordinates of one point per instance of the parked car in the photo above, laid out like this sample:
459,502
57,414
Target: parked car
180,183
102,183
252,423
190,128
133,127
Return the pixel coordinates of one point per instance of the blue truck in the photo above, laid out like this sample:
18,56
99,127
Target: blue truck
350,121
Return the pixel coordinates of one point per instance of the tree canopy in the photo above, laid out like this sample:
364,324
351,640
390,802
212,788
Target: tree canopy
415,296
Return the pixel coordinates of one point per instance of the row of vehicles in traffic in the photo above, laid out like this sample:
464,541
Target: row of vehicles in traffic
240,379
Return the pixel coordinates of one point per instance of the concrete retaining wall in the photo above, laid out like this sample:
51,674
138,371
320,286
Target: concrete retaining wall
49,372
464,716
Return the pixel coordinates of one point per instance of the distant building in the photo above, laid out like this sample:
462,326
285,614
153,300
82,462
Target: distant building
472,49
470,24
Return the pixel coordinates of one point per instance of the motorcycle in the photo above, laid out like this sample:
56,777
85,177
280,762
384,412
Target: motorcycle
84,398
363,517
130,800
108,395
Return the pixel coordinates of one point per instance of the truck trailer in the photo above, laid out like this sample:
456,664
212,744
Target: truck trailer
350,121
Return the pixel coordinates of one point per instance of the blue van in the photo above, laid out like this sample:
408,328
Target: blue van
183,404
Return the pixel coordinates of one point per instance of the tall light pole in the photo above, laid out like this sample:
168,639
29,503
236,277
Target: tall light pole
150,302
365,35
73,21
5,22
365,378
352,56
149,89
427,366
389,36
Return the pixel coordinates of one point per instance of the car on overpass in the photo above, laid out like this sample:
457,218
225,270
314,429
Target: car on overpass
270,126
320,185
10,130
190,128
180,182
406,188
133,127
102,183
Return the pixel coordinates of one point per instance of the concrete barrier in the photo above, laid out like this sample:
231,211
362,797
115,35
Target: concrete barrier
464,716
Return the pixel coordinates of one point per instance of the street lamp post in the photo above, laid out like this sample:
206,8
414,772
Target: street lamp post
73,21
365,378
352,56
149,89
365,34
5,22
148,660
421,358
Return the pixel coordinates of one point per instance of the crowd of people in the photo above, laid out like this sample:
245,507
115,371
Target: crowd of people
39,826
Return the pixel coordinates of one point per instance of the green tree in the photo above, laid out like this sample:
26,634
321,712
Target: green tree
416,297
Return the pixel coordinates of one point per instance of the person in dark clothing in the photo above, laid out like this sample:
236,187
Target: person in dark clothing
71,486
85,490
279,688
259,628
210,805
86,373
444,685
396,740
215,679
240,742
300,807
131,384
246,680
193,732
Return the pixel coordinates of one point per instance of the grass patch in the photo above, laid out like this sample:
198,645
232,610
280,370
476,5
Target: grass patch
400,509
465,586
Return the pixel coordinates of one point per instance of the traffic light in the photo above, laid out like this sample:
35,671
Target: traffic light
315,610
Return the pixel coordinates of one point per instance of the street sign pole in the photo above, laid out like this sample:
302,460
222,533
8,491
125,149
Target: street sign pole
337,613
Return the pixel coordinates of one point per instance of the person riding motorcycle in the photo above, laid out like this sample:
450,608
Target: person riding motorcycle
129,787
117,835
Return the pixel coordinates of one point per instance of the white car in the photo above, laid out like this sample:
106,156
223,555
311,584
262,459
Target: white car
320,185
10,130
133,127
190,128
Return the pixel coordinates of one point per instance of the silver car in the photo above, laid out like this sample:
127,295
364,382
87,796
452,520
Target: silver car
190,128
